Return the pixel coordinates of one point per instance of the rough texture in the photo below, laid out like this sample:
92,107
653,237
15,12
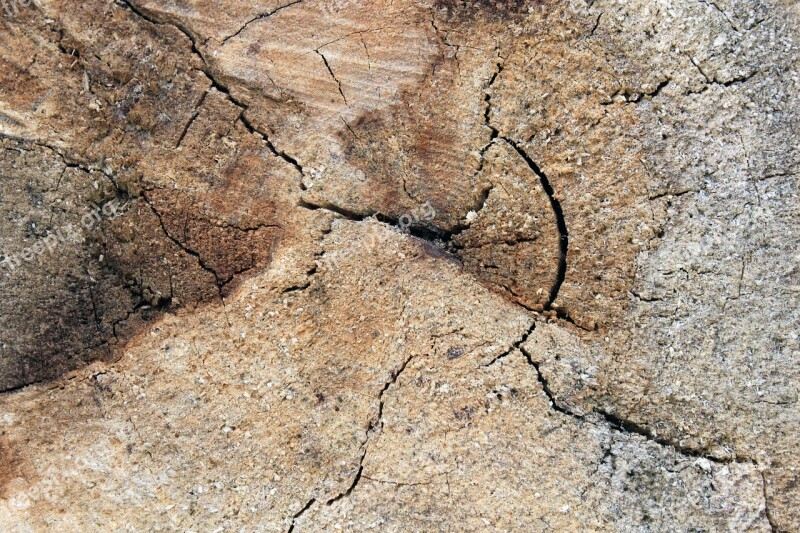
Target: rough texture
323,265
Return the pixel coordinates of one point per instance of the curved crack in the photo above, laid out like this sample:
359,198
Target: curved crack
558,212
560,222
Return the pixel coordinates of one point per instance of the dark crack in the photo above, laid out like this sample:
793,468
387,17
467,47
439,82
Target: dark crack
71,162
350,129
296,288
558,212
671,193
23,386
432,234
493,135
393,379
330,71
299,513
310,274
615,422
374,423
546,386
218,85
622,425
444,240
152,19
487,112
773,526
257,18
219,281
516,346
191,120
596,25
561,274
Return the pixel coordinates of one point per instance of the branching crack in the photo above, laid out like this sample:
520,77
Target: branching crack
516,346
442,35
612,420
493,135
712,80
615,422
487,98
153,20
219,281
216,83
558,212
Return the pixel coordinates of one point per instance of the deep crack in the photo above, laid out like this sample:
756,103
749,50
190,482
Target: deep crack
431,234
299,513
563,242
